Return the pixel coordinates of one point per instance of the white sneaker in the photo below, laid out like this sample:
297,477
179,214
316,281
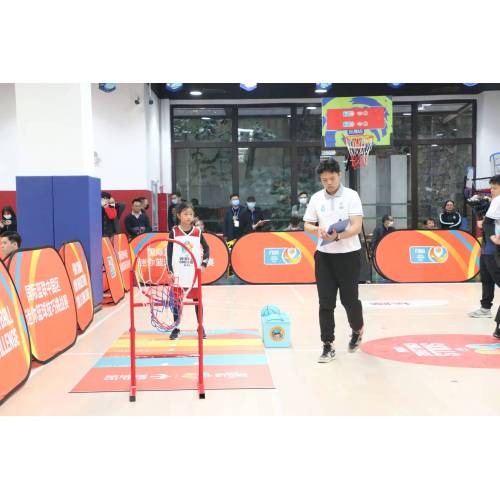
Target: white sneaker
481,313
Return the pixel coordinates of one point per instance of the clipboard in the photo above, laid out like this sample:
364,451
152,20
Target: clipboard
339,226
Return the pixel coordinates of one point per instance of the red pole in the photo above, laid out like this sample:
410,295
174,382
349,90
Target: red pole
201,384
133,381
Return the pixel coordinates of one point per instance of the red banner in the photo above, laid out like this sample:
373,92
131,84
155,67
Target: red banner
47,299
278,257
75,261
113,276
414,256
15,355
123,255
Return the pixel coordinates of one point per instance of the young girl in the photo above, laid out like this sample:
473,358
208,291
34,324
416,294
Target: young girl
191,236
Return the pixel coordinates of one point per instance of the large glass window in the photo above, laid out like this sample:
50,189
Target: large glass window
202,125
265,174
401,114
441,171
444,120
204,174
385,187
309,123
264,124
273,151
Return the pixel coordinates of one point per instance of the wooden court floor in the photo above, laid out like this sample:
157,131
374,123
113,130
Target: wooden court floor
353,384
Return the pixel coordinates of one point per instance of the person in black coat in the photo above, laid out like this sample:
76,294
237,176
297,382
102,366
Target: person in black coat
137,222
175,200
450,218
8,221
233,223
252,218
379,232
111,213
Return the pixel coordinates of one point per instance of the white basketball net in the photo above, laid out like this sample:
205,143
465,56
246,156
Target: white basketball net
359,148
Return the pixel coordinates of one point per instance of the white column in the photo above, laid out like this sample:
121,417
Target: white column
54,129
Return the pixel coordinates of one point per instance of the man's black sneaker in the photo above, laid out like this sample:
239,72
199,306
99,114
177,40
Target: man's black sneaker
328,353
355,340
174,334
496,333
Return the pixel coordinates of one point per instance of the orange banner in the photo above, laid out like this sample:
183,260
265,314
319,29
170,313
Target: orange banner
153,266
15,354
418,256
47,299
218,260
123,255
75,261
277,257
112,271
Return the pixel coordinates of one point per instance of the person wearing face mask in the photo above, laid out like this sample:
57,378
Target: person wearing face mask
8,221
175,199
252,219
379,232
300,209
232,225
111,213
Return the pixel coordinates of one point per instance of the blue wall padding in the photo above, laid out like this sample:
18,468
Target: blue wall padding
77,216
35,211
53,210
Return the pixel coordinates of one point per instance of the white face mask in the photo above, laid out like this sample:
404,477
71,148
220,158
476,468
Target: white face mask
7,216
235,203
303,200
174,201
251,204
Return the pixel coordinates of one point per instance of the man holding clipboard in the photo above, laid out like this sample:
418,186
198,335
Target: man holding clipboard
335,215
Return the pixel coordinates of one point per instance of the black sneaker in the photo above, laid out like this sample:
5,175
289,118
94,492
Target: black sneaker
355,341
174,334
328,353
496,333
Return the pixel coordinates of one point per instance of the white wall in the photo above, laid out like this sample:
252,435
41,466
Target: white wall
166,146
488,130
153,149
120,137
54,129
8,149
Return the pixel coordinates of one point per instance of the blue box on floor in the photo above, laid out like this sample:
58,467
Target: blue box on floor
276,328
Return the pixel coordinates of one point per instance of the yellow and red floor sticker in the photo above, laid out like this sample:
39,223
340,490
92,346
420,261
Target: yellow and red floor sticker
233,359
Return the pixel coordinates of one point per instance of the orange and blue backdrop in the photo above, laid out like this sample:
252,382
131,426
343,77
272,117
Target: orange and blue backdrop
414,256
112,278
15,354
154,263
122,250
75,261
47,298
275,257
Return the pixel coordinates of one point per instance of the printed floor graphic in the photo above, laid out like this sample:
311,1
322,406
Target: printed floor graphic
466,351
233,359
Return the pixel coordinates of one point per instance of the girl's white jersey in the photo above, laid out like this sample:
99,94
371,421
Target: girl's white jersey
182,263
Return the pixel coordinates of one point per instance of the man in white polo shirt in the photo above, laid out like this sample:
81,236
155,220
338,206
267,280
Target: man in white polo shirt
338,254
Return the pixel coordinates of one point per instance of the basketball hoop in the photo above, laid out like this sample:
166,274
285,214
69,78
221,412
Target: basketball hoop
359,147
165,292
165,304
